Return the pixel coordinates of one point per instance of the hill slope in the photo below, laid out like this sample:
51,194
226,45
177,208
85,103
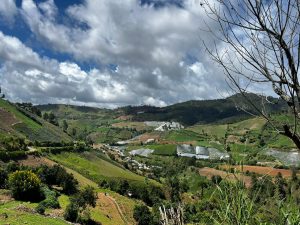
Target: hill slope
17,122
226,110
188,113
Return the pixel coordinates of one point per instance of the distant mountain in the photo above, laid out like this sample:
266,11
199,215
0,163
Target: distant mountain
226,110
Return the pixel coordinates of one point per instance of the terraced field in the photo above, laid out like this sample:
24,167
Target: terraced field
14,121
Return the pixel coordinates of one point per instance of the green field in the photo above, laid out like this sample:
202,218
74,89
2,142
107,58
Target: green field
94,167
182,136
167,149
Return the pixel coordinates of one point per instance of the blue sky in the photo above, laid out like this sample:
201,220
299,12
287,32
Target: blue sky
106,53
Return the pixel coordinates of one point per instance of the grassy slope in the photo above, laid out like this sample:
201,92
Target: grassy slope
32,130
104,207
94,167
19,217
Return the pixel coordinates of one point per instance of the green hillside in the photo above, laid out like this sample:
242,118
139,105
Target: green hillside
95,167
17,122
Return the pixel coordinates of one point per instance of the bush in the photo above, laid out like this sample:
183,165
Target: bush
216,179
40,209
25,185
3,178
50,200
71,212
57,175
87,196
142,215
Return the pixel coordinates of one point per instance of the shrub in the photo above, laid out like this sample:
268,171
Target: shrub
3,178
50,200
40,209
142,215
87,196
25,185
57,175
71,212
216,179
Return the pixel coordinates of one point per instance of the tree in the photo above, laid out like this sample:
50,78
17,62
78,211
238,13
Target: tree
259,45
46,116
3,95
3,178
142,215
77,210
87,196
65,125
25,185
174,189
71,212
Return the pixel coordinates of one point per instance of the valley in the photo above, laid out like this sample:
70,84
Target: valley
132,161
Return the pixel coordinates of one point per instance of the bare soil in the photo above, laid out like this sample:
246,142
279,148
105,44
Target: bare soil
263,170
209,172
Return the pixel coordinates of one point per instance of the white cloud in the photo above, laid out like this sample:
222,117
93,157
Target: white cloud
8,10
149,46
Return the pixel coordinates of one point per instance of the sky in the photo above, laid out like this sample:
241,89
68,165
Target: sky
106,53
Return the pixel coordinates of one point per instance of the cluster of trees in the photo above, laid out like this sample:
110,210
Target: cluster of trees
30,108
50,117
12,148
77,211
14,144
25,182
35,184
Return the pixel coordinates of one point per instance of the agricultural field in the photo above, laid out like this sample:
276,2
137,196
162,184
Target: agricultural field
94,167
20,123
139,126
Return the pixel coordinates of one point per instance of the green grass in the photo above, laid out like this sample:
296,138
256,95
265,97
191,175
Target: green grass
19,217
217,130
93,167
253,124
182,136
167,149
20,116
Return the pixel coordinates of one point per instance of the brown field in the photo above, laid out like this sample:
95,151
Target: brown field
209,172
137,125
35,161
146,136
263,170
129,117
7,119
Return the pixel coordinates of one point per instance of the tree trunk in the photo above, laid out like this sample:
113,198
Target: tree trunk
293,136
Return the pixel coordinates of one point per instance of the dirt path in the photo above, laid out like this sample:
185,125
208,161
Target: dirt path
112,208
119,210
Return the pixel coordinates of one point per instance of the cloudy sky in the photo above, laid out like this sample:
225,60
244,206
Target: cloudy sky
106,53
